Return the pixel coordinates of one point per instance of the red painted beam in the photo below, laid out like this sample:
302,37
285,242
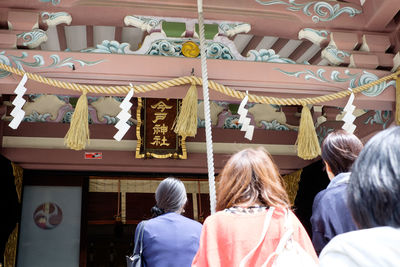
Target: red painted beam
124,161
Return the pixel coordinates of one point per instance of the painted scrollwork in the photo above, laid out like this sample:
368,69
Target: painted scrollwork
376,90
39,62
323,11
354,80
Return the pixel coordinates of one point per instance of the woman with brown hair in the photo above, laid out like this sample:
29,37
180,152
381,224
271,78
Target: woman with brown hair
249,191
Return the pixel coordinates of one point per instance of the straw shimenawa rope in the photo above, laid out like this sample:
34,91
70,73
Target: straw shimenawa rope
97,89
78,134
186,123
307,141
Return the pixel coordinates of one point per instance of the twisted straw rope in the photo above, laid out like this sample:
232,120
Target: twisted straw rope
98,89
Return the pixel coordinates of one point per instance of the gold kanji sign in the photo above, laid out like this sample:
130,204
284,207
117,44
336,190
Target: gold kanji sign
155,134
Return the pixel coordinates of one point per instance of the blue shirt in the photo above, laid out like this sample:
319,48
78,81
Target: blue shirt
330,213
170,240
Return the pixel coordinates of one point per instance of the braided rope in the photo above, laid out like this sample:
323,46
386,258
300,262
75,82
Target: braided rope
98,89
207,112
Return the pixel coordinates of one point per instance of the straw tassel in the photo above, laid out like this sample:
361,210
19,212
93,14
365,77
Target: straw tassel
78,133
307,140
186,123
397,118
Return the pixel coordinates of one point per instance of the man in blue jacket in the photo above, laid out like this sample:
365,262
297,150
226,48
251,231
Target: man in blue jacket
330,215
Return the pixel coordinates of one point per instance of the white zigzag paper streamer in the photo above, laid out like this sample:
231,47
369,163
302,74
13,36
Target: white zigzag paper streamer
124,116
244,120
17,113
348,117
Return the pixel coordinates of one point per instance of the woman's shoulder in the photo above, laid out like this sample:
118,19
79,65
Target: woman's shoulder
188,221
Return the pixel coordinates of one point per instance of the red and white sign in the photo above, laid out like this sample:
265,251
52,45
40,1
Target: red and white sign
93,155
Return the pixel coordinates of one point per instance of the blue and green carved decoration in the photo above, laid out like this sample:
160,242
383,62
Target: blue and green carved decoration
232,122
33,38
336,54
110,47
273,125
173,47
355,80
67,117
53,19
52,16
323,11
269,55
54,2
36,117
323,132
39,62
381,117
201,123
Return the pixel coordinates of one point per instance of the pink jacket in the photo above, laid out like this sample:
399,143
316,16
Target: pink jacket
226,238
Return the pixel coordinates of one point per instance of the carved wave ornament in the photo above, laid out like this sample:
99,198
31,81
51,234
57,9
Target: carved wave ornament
354,80
381,117
315,36
33,38
323,11
334,55
39,62
154,24
218,48
144,23
231,29
53,19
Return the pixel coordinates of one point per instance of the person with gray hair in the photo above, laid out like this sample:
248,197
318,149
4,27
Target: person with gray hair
170,197
373,198
169,239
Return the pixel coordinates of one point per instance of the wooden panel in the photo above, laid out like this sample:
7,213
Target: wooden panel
102,207
189,207
49,178
203,206
138,206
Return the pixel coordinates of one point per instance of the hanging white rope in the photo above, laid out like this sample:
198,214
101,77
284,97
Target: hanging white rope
210,157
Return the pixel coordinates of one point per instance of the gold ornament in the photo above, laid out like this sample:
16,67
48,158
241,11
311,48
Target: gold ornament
190,49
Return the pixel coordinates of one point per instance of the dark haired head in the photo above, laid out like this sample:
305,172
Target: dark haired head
339,150
374,189
156,211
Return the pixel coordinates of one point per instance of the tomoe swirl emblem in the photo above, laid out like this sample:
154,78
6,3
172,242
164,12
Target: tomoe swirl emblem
48,215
